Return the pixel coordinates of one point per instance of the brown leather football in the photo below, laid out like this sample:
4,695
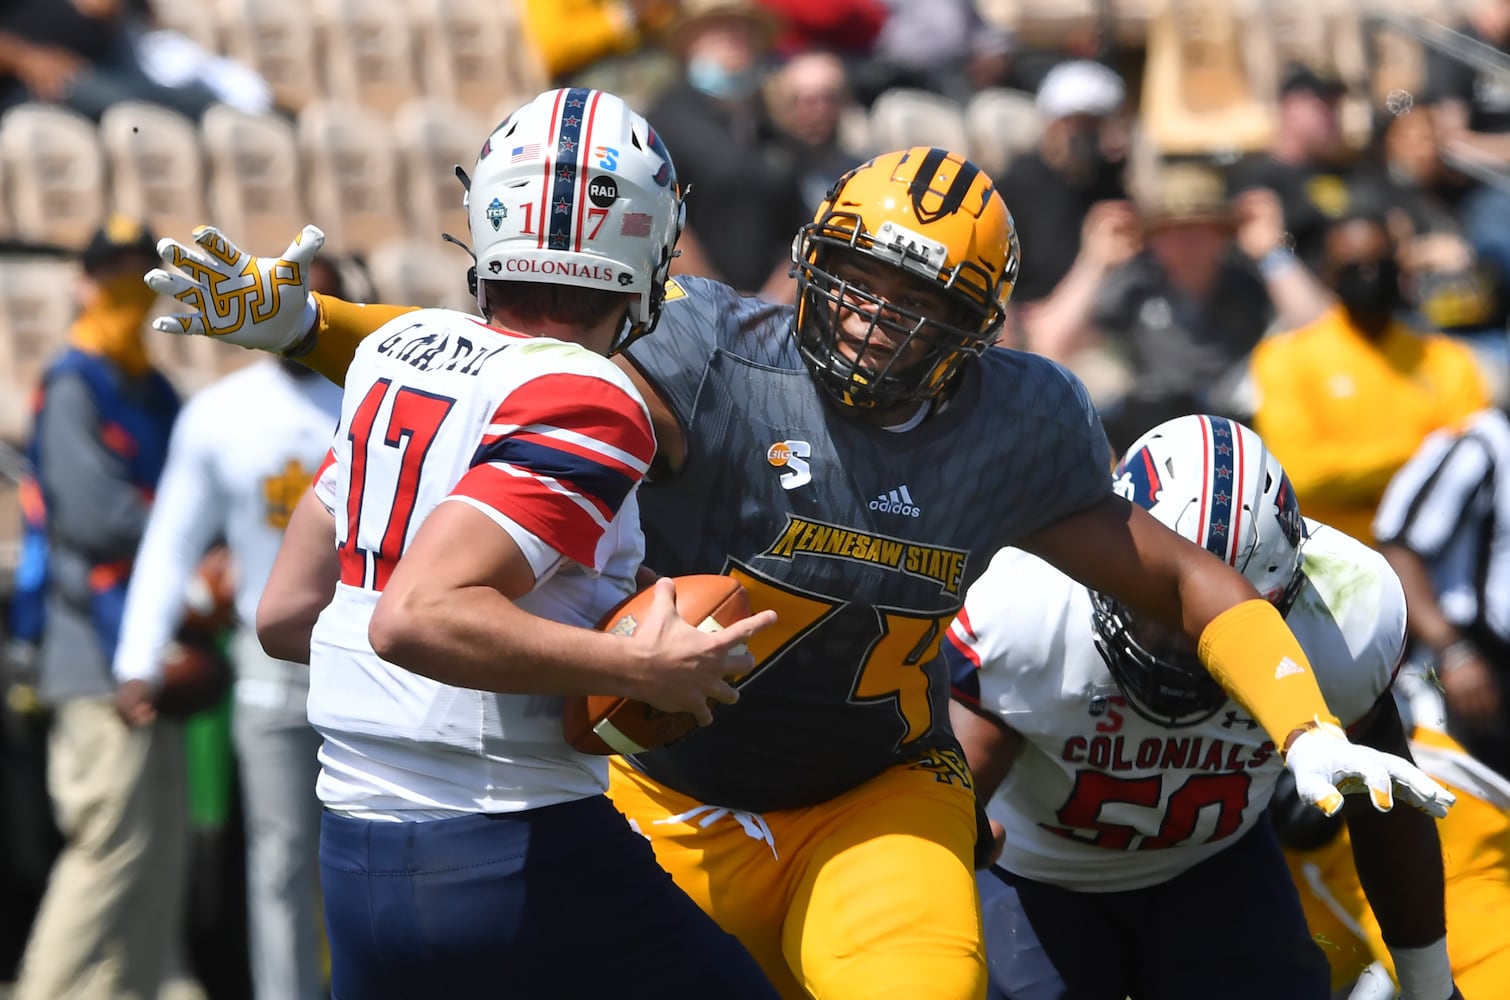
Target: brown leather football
605,724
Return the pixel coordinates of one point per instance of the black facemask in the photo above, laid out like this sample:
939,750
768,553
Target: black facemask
1370,292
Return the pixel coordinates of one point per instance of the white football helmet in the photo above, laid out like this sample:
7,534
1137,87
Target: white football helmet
574,188
1213,481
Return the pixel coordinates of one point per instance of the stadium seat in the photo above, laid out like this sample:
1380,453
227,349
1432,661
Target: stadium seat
902,117
369,52
36,309
196,19
351,175
1001,123
256,184
56,171
1053,24
156,167
421,272
468,54
1198,95
433,137
277,39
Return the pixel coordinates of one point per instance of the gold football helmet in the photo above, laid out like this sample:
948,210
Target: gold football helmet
936,217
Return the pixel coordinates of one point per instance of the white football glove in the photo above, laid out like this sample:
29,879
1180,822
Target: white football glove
262,303
1327,766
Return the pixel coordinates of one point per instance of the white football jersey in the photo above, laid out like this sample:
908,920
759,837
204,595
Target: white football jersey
549,441
243,452
1101,799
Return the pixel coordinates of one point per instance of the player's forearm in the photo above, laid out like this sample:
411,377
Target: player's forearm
341,326
1256,658
1426,622
301,582
1397,854
990,746
474,637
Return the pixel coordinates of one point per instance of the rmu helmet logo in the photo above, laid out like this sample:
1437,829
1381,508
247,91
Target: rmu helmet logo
1137,479
1287,509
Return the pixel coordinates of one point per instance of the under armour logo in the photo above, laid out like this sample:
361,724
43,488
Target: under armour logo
1233,719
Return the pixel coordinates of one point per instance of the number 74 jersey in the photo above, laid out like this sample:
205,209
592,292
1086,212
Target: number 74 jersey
1101,799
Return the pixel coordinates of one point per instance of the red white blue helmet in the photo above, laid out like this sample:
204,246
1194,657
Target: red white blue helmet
1215,482
575,188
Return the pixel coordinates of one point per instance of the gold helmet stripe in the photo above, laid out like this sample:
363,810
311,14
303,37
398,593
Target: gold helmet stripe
952,198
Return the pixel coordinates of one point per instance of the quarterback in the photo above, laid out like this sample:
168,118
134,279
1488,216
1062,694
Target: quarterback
855,460
473,519
1130,789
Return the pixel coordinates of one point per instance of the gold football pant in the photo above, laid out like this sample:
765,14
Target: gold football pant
869,896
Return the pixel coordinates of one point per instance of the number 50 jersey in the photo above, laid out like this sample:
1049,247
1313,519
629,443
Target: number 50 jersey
1100,799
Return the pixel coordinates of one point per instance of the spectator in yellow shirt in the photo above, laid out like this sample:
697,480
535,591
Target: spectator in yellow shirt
602,43
1346,400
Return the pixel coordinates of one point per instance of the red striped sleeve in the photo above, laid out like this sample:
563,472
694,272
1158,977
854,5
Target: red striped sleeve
559,457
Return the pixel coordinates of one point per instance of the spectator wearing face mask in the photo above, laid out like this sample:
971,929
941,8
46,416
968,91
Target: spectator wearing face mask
747,197
1345,401
1077,163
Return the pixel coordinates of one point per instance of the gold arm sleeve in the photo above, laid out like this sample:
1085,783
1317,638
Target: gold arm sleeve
1257,659
339,327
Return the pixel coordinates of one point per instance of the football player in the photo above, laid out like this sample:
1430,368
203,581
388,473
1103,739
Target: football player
855,460
1475,837
474,518
1130,788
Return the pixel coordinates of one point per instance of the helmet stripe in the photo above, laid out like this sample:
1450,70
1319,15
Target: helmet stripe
582,161
550,162
1238,494
953,198
563,196
1219,525
1203,526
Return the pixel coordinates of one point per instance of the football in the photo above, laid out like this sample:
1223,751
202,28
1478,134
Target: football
603,724
195,677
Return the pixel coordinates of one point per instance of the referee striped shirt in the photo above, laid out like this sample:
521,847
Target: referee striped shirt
1450,504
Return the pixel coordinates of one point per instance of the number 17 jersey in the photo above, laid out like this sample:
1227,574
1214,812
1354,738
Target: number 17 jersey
545,439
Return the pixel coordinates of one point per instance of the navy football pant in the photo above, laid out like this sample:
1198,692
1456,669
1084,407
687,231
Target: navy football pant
1231,927
551,904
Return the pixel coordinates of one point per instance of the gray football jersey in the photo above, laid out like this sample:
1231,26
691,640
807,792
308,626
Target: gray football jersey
862,539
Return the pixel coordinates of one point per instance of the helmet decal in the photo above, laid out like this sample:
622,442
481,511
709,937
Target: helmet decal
952,198
1137,478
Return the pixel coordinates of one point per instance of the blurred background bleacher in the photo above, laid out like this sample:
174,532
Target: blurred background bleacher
372,102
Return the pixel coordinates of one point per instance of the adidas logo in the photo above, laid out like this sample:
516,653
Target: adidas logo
1287,667
897,501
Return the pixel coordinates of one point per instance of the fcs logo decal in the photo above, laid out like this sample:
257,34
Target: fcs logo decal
791,457
1137,478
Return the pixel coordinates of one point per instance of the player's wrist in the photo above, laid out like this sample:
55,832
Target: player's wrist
1455,654
306,335
1424,973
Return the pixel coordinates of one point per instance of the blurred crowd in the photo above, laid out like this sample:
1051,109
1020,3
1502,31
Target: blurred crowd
1344,291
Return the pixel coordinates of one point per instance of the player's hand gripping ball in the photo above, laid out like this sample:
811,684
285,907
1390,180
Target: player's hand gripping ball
606,724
